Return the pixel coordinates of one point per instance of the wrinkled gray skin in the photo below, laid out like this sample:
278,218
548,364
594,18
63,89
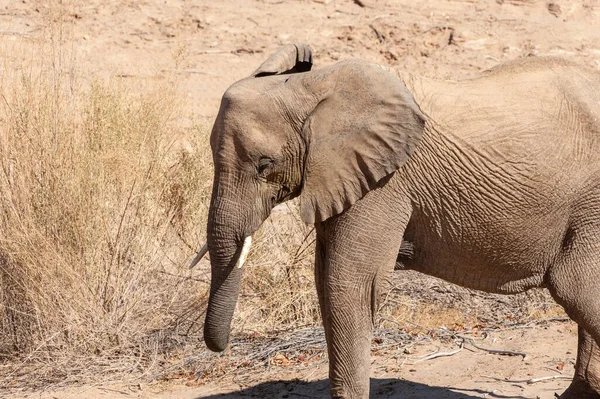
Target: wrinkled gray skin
492,183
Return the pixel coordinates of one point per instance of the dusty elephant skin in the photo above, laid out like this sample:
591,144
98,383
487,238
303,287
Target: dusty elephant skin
492,183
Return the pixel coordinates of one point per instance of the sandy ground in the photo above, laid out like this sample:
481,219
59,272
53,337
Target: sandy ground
211,44
550,353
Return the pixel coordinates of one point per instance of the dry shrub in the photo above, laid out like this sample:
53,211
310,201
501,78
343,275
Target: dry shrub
278,290
420,303
102,191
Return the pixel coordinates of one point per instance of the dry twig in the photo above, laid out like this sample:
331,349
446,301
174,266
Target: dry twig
379,35
490,350
13,33
530,380
441,354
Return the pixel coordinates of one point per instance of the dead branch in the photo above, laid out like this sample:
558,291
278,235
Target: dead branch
379,35
13,33
441,354
490,350
471,342
531,380
214,52
190,72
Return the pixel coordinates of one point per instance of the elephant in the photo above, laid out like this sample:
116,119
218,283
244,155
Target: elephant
492,183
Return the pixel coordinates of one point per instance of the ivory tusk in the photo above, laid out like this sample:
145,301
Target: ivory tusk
200,255
244,253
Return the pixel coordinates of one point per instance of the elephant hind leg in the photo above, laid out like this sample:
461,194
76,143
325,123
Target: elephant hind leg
575,284
586,382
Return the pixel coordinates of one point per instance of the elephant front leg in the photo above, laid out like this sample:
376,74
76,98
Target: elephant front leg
355,254
347,318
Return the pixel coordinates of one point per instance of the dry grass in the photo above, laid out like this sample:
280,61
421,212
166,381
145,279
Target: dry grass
278,285
100,190
420,303
103,198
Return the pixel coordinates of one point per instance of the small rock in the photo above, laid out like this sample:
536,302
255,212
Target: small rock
554,9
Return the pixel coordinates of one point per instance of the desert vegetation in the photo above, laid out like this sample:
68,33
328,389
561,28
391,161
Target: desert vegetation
104,199
99,204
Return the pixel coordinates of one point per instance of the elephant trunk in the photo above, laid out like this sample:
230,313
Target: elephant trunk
221,305
225,233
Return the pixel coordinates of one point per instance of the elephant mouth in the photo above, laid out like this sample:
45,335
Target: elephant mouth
241,259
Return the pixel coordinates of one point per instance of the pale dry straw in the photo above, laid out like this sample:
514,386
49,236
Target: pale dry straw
98,202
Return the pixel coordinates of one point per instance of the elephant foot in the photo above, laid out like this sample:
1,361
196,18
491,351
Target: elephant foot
580,389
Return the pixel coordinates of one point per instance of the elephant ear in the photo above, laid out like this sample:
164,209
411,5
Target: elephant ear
365,127
291,58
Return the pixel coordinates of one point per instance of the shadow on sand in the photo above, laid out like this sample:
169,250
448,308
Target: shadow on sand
380,388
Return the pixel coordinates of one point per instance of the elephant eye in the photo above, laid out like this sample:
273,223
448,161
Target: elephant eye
263,165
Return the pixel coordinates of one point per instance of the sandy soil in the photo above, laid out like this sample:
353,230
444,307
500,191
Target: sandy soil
211,44
550,352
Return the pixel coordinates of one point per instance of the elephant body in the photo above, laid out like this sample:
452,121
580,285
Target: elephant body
492,183
502,188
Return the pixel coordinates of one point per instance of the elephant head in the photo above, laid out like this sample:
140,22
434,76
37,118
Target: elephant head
327,136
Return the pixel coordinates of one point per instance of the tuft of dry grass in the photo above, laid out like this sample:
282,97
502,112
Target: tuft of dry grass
102,192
